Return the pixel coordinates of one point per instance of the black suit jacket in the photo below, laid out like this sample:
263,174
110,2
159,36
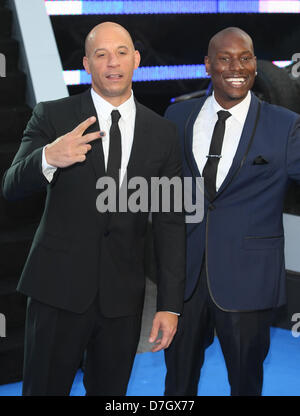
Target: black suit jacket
78,252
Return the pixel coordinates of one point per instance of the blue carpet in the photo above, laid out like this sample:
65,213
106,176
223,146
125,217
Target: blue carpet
281,372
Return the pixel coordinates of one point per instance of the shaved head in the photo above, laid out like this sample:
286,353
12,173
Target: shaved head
231,63
110,58
228,32
101,29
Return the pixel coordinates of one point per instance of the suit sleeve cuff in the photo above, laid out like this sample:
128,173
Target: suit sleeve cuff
174,313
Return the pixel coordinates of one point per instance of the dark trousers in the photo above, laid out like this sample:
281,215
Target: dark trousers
55,341
244,338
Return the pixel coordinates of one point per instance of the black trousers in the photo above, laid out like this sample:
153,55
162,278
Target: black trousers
244,338
55,341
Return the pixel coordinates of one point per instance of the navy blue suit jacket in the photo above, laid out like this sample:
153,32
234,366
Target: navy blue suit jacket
241,234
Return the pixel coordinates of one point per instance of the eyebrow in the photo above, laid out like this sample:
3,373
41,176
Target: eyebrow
229,52
104,49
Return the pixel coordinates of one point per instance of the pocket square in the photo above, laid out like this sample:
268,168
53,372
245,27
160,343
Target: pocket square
260,160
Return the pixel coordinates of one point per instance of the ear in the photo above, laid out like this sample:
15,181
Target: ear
207,64
255,65
137,59
86,66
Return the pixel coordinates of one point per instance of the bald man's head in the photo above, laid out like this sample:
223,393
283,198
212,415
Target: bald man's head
232,65
111,60
102,28
227,33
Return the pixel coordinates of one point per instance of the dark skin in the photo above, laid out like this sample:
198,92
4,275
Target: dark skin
232,66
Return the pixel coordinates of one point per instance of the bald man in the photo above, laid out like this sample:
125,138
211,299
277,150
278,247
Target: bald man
84,274
247,151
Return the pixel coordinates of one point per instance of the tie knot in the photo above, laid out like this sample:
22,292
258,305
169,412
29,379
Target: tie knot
115,116
223,115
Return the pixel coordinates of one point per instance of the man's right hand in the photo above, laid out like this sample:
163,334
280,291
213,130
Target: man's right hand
72,147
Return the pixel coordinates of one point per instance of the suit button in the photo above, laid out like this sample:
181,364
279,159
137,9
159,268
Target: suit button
106,233
211,207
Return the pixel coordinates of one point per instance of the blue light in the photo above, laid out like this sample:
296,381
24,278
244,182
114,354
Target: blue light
149,7
145,74
153,73
117,7
235,6
163,73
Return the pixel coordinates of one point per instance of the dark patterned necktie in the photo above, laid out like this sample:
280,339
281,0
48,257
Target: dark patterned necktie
115,149
210,169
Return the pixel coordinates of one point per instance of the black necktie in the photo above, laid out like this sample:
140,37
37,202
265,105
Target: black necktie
115,149
211,166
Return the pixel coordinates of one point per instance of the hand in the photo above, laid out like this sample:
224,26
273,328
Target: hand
72,147
167,323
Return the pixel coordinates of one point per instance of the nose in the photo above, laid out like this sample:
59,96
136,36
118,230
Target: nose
113,60
235,64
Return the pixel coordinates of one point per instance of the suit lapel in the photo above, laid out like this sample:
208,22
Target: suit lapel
96,154
188,138
188,141
141,141
244,143
243,147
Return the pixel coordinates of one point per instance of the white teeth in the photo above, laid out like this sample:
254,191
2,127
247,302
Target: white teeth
235,80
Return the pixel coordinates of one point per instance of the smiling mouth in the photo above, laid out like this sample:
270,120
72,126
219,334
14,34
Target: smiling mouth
236,82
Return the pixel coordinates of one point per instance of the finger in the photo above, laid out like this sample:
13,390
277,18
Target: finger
80,159
87,138
83,149
156,347
154,331
161,344
80,129
165,340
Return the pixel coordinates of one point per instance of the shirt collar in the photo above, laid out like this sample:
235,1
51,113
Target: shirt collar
239,111
105,108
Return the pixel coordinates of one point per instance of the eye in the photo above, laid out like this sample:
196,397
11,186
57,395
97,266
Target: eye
224,59
246,58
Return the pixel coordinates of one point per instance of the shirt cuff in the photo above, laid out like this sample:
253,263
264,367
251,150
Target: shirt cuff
48,170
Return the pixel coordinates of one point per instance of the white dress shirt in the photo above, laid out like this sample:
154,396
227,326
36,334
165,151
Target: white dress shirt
203,131
126,126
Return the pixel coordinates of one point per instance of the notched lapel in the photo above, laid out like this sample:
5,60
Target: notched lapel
244,143
188,139
96,154
141,140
